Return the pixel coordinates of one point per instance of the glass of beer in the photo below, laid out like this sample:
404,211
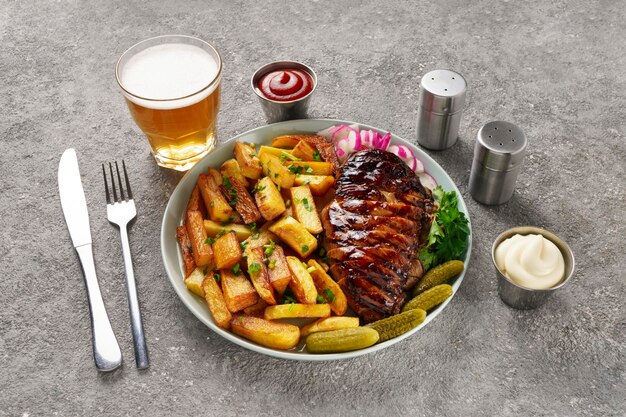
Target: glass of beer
172,87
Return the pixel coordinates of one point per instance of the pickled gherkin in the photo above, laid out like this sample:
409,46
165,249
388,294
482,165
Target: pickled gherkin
343,340
438,275
394,326
429,298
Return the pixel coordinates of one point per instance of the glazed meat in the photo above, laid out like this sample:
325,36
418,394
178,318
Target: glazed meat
374,229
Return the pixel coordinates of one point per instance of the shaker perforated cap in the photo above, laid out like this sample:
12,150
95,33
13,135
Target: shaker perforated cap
500,146
442,92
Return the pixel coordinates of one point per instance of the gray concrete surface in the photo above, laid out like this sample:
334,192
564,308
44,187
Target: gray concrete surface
554,68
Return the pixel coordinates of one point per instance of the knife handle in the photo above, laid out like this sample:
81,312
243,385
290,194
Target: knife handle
106,350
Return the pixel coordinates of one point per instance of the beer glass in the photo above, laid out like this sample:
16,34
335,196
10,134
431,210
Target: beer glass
172,88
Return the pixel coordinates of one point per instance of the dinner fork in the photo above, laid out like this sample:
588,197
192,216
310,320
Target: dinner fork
121,211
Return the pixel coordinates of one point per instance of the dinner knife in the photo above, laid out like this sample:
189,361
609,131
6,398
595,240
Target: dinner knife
106,350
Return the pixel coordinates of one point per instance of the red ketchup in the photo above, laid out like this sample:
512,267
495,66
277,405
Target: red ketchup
285,85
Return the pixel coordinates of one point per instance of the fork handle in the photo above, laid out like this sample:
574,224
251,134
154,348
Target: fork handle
139,339
106,350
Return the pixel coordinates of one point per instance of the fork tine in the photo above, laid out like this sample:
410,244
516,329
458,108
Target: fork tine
106,186
119,181
113,182
128,191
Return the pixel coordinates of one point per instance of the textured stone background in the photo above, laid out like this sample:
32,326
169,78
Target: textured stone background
554,68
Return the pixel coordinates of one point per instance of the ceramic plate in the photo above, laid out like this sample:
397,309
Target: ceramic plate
178,201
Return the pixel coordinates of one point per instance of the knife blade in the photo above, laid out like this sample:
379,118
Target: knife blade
106,350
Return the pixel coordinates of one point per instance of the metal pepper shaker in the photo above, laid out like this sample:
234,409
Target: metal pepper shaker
498,157
442,97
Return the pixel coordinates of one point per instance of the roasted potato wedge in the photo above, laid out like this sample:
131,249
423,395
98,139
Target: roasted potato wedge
276,171
231,168
217,206
241,199
280,274
277,152
329,323
238,291
310,167
290,231
215,300
301,283
329,289
213,229
304,209
194,282
268,199
217,176
306,152
292,311
248,160
267,333
186,250
290,141
195,201
257,240
259,275
319,184
227,251
257,309
202,252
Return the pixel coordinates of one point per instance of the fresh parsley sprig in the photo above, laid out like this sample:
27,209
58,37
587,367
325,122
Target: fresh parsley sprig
448,231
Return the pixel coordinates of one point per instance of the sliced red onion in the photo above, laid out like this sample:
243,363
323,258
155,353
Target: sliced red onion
354,141
427,180
384,141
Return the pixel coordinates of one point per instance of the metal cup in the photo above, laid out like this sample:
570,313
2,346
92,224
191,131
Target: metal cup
278,111
524,298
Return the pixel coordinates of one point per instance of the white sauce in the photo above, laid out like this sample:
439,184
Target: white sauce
531,261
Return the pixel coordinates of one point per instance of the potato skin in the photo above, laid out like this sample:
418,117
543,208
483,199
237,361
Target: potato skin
267,333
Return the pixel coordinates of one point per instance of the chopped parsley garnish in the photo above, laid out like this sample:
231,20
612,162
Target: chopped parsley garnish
212,203
257,188
295,169
284,156
288,297
269,248
243,245
330,295
320,299
305,249
205,270
251,226
209,240
220,234
272,264
317,156
448,231
236,268
233,202
307,206
227,184
255,236
254,267
308,169
217,277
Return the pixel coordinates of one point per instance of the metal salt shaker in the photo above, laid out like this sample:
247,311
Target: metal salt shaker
442,97
498,157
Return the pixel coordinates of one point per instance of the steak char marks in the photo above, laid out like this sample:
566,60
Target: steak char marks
374,229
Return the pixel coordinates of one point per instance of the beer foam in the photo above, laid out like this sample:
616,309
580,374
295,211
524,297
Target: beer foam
169,72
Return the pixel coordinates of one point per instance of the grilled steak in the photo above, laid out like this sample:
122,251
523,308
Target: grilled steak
374,229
